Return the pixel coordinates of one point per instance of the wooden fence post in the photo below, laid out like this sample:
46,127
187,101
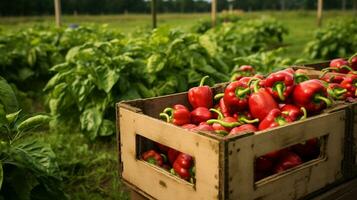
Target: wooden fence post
214,12
153,13
58,12
319,12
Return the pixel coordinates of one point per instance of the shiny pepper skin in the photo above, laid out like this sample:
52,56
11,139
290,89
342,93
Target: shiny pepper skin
280,84
261,103
312,95
153,157
274,119
201,96
350,84
200,114
236,96
178,115
182,165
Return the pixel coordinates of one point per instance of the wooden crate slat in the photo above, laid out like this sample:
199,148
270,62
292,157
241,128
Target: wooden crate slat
296,182
205,151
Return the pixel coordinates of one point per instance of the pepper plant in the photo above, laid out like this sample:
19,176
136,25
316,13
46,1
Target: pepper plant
28,168
337,39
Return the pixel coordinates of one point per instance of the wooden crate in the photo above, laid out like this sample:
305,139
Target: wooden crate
225,165
350,164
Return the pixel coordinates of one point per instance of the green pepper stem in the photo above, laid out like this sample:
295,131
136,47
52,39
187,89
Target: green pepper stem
255,82
304,116
203,80
219,113
350,59
172,171
325,70
248,121
151,161
165,116
218,96
340,92
280,89
234,76
327,101
280,120
164,157
221,132
298,78
346,67
169,111
285,112
223,123
241,92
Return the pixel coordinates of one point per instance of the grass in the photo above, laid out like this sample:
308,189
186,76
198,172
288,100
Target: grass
301,24
90,168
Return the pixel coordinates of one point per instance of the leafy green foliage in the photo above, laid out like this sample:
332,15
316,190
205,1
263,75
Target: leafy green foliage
338,39
21,156
26,55
96,75
204,25
247,36
265,62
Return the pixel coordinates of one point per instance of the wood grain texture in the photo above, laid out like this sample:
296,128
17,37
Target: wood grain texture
157,182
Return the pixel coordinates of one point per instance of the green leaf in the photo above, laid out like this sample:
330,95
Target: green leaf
107,128
107,78
91,119
7,97
33,122
156,63
13,116
35,156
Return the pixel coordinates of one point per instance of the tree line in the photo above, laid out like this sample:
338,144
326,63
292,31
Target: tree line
45,7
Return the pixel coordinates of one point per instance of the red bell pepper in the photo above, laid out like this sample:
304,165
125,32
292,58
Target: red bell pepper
201,96
280,84
290,160
243,128
261,103
236,96
203,126
276,155
294,112
263,164
182,166
243,71
332,78
172,155
353,62
339,65
225,110
200,114
189,126
312,95
308,150
224,125
336,91
273,119
245,117
350,84
153,157
178,115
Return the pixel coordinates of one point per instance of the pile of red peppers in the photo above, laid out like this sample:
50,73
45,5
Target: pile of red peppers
252,102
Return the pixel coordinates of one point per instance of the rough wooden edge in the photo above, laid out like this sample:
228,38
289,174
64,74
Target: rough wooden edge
120,164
